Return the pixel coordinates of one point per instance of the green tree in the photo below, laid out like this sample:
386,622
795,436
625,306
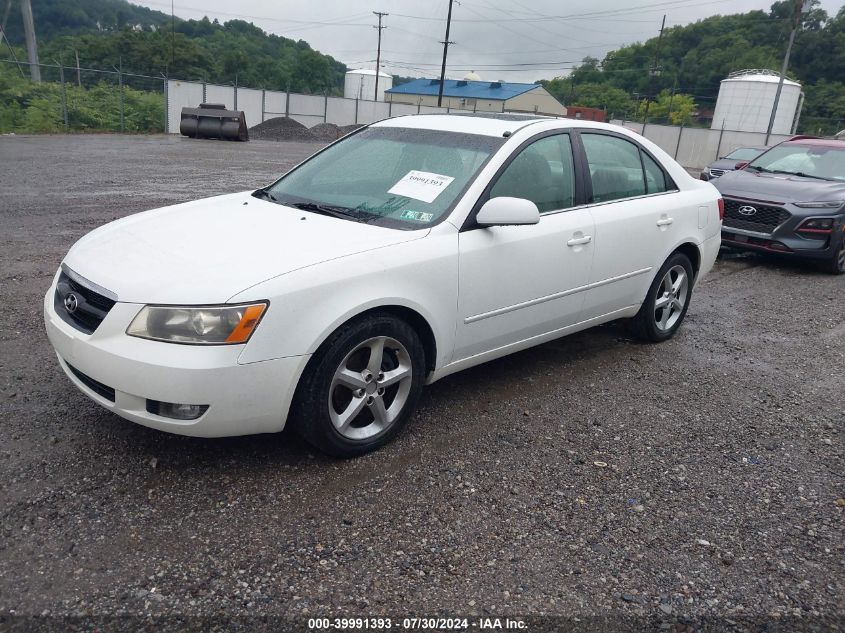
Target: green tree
677,109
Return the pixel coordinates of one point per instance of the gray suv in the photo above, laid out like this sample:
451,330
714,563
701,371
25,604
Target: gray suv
789,200
739,156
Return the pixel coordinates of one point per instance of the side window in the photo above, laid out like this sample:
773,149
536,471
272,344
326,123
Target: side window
655,179
543,173
615,168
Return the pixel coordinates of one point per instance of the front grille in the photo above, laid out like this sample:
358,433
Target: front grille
89,306
715,173
764,220
97,387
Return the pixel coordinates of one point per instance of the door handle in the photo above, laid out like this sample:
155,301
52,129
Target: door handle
665,221
577,241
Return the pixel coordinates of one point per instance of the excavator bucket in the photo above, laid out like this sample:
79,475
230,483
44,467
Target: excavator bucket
213,120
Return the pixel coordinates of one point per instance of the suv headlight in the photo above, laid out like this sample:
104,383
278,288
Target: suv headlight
198,325
820,204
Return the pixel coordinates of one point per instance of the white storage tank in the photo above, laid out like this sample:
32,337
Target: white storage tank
361,84
746,99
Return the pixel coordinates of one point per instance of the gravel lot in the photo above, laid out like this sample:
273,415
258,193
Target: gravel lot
720,505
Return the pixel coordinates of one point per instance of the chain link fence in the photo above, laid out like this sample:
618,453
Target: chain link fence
71,98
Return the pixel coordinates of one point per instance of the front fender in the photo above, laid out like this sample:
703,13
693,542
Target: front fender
307,305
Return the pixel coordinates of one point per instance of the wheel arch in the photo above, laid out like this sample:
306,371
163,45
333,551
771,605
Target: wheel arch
693,253
405,313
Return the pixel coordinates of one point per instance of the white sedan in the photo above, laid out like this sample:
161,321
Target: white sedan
411,249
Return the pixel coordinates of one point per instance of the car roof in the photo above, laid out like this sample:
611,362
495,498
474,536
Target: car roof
487,124
817,142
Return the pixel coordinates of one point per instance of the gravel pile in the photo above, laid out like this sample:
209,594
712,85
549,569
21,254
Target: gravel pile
346,129
325,132
280,128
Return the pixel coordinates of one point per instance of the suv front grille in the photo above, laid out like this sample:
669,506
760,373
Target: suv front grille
763,220
715,173
80,306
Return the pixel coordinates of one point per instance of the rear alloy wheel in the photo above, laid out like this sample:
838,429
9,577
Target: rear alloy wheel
361,386
836,264
666,303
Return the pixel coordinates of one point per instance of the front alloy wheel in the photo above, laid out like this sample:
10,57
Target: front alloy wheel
370,388
361,386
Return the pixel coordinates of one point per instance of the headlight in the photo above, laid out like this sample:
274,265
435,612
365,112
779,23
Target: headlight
211,325
820,204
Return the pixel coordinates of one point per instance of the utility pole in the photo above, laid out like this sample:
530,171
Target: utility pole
445,43
31,44
378,50
799,7
654,69
172,33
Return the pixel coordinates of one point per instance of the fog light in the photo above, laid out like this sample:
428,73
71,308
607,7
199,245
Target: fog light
176,411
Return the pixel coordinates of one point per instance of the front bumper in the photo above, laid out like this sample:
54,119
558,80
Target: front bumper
783,243
243,399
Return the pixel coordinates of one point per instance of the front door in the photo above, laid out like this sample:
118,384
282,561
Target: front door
519,282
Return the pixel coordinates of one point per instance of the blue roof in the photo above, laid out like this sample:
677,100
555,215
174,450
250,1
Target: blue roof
492,90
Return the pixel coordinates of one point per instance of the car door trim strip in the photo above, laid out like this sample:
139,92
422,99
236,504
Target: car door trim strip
552,297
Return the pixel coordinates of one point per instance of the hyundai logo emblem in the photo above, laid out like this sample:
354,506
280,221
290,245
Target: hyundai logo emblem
71,303
747,210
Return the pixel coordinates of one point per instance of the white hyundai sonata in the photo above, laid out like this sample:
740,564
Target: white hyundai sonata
411,249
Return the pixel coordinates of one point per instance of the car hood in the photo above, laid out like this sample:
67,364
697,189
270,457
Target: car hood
209,250
778,187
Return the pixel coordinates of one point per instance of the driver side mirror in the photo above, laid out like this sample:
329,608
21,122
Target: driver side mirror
506,211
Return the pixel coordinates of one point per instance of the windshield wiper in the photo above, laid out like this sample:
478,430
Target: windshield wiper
326,209
758,168
263,193
800,173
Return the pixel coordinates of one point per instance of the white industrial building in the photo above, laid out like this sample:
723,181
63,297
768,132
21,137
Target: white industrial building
361,84
746,99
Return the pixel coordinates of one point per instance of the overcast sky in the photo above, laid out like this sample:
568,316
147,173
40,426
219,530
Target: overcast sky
513,40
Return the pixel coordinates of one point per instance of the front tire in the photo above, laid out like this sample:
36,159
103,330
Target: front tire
836,264
666,302
361,386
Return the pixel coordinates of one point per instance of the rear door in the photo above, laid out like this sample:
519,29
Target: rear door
634,204
518,282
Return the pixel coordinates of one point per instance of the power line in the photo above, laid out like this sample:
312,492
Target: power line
646,8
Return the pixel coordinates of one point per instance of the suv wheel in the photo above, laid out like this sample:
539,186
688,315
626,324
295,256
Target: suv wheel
836,264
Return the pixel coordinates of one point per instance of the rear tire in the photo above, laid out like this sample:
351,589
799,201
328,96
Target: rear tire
666,302
361,386
836,264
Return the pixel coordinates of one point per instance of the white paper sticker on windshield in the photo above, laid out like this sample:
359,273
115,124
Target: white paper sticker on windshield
421,185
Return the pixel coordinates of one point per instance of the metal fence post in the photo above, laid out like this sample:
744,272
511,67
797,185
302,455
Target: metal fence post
263,103
325,105
287,100
719,146
64,94
166,105
236,91
356,110
120,87
204,89
678,146
389,109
